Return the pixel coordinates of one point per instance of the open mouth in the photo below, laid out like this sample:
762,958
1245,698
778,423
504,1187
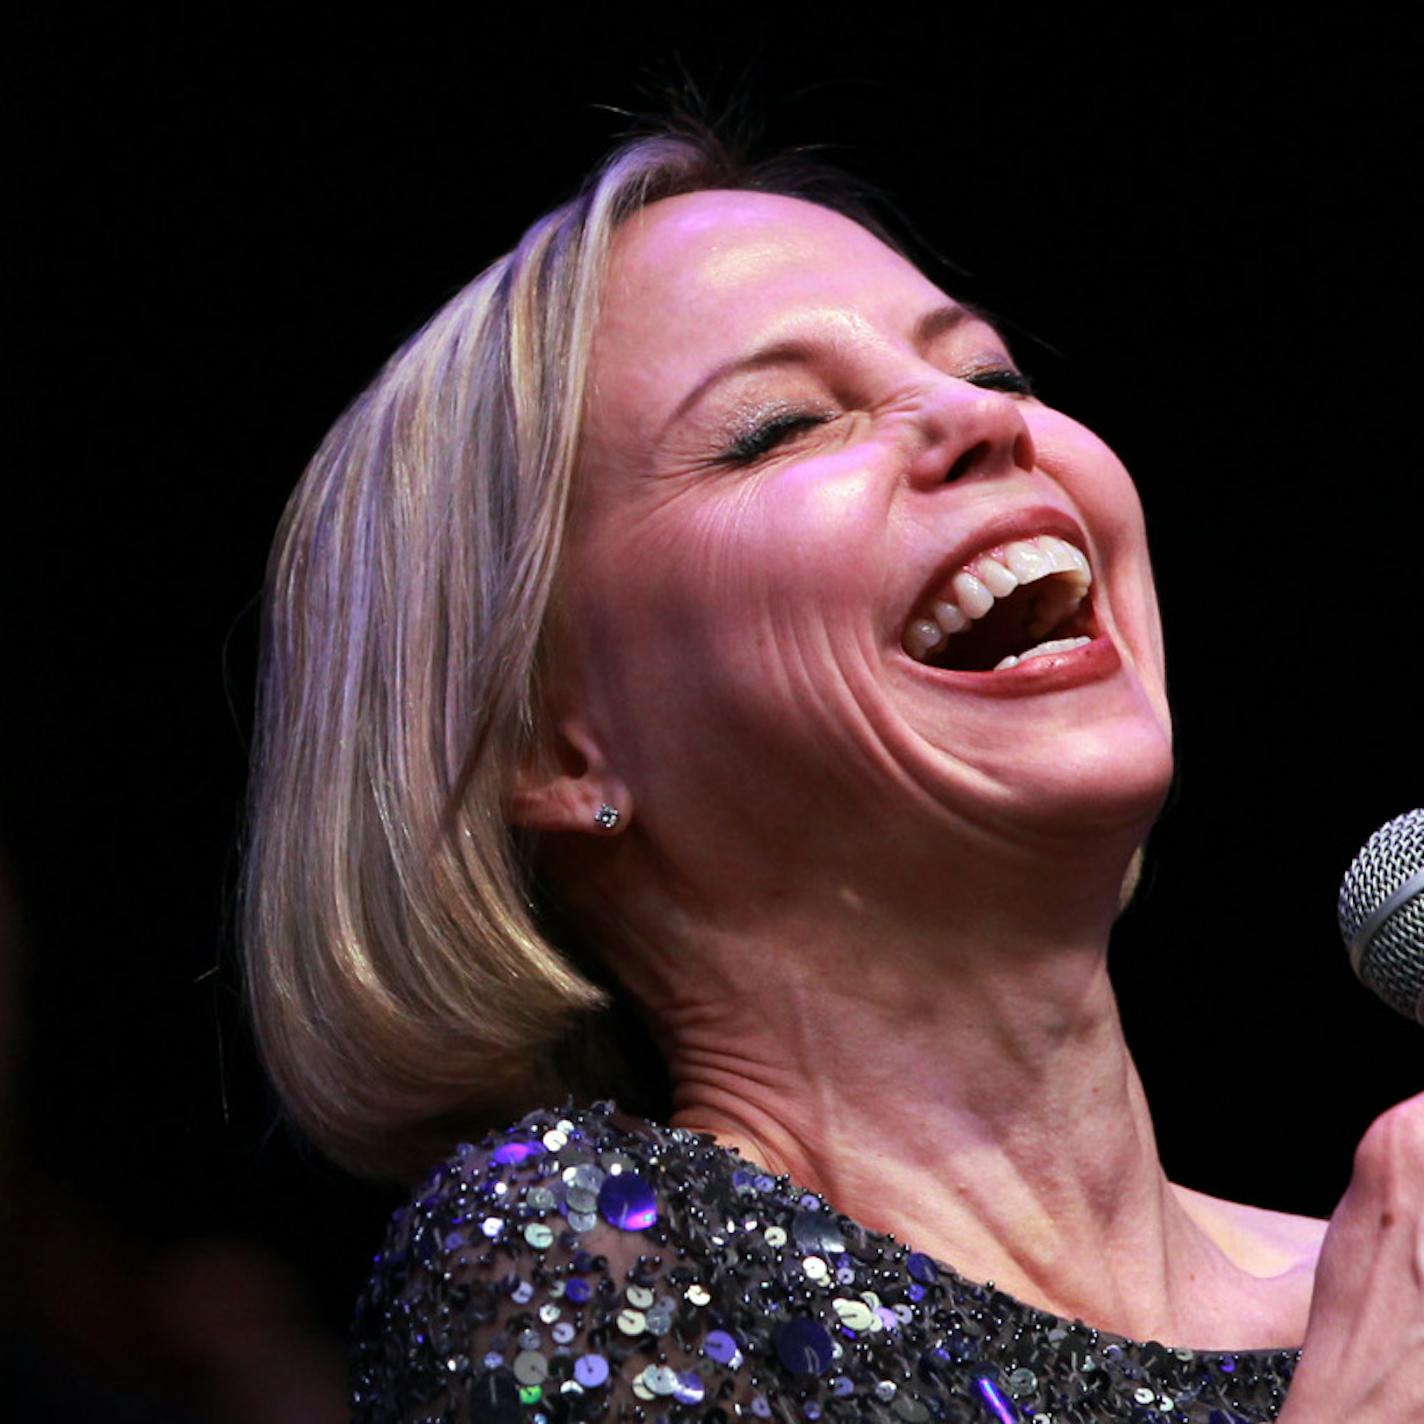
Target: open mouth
1026,599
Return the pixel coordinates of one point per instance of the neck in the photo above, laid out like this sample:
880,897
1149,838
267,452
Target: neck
958,1080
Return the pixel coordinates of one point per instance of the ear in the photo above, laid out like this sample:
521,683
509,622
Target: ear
566,784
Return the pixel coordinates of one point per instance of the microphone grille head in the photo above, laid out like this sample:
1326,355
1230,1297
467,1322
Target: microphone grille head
1381,911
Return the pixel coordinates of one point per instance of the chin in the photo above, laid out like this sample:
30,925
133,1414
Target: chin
1113,778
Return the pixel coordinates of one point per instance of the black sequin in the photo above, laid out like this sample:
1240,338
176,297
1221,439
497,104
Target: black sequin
575,1267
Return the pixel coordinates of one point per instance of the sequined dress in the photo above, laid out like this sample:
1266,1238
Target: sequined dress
582,1265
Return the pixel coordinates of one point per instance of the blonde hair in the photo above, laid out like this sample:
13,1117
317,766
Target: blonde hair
403,986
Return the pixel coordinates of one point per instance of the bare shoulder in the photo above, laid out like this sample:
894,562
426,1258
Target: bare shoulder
1261,1241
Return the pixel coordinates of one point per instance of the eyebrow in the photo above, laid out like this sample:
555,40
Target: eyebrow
932,325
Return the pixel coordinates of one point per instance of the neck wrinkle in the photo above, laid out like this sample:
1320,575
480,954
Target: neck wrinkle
1009,1139
946,1067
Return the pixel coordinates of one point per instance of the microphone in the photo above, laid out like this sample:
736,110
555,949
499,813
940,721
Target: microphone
1381,912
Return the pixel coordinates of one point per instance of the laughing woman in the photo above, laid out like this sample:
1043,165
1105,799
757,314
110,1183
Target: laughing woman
699,673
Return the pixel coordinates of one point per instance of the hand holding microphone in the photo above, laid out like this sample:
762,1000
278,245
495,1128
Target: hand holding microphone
1363,1360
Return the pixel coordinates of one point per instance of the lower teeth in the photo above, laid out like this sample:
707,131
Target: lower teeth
1056,645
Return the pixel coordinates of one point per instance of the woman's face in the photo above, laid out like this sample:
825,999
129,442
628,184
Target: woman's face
805,474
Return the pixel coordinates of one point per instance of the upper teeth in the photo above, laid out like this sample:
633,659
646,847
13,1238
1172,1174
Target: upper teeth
972,591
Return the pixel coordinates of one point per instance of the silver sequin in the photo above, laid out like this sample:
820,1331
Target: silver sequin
530,1367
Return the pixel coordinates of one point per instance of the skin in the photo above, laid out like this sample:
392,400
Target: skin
867,904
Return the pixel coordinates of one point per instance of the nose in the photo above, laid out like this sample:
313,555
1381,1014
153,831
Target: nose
967,430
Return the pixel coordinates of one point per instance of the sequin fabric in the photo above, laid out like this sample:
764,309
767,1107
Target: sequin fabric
583,1266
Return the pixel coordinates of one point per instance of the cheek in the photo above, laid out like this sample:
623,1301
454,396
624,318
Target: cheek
1105,494
796,539
1095,477
1101,486
740,592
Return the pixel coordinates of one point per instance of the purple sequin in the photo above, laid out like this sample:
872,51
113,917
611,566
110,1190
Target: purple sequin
591,1371
804,1347
719,1346
1003,1410
690,1388
627,1202
922,1268
517,1151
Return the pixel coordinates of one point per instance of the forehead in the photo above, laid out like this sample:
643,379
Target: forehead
695,276
722,237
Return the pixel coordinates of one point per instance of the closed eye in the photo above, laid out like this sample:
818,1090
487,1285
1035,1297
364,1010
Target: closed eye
764,437
1007,379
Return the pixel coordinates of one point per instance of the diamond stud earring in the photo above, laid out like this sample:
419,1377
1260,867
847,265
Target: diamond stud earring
607,816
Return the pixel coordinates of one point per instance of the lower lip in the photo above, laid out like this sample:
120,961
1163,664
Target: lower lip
1048,673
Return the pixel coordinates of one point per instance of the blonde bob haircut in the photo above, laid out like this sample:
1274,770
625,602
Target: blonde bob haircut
408,977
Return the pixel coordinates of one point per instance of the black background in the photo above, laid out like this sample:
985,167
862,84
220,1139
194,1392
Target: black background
1201,227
